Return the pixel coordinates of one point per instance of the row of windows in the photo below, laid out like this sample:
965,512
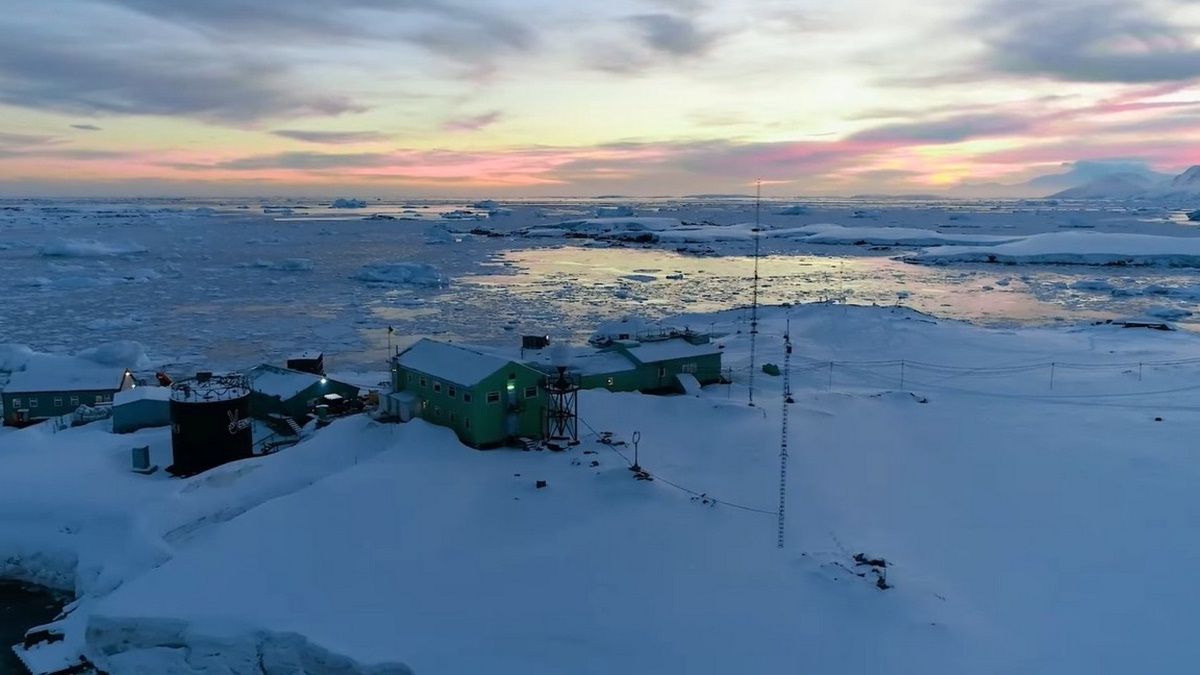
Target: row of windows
58,401
452,391
437,414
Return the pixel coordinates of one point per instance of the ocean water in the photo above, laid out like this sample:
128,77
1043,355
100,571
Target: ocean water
22,607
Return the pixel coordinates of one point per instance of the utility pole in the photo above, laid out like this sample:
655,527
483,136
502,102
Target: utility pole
754,297
783,434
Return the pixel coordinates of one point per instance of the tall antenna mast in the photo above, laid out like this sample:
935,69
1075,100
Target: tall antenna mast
783,438
754,299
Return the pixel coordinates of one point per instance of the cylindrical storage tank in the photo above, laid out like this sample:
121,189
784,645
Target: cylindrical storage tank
210,423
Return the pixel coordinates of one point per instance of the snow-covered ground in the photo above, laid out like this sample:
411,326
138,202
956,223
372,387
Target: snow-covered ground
1031,489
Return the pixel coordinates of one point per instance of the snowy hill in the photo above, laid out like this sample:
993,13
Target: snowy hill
1077,174
1186,184
1130,185
1113,186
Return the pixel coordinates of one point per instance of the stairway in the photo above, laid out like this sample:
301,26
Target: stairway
291,424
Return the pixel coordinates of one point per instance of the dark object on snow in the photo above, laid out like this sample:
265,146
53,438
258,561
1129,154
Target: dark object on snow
1151,324
771,369
535,341
1194,216
878,567
307,362
1157,419
540,484
862,559
595,463
164,380
37,636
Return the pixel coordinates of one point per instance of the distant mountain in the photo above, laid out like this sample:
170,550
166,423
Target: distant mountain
1112,186
1137,186
1186,184
1077,174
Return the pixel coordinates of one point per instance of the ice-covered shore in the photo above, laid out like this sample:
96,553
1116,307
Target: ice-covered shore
1075,248
1006,475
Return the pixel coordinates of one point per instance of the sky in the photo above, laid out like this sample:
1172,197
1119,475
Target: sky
511,98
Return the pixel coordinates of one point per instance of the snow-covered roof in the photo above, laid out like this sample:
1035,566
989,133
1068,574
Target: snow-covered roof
142,393
306,356
450,362
585,362
281,382
53,374
665,350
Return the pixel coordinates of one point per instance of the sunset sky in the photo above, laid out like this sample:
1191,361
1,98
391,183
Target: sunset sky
540,97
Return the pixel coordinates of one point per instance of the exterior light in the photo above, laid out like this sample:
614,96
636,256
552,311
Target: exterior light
323,380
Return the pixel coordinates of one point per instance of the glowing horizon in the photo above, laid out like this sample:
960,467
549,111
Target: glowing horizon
517,98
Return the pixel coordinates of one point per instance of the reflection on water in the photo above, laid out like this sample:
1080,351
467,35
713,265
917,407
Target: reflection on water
575,284
567,291
22,607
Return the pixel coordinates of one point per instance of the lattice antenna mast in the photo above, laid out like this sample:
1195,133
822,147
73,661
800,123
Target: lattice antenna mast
783,438
754,297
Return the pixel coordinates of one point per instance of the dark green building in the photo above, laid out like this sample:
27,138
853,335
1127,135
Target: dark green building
290,393
486,399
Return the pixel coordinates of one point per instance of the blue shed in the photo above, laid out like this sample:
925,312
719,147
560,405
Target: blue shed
141,407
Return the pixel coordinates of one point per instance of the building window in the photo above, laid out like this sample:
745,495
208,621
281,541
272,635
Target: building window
689,368
437,387
16,403
424,382
662,371
57,401
610,381
437,411
75,400
451,391
466,397
530,392
408,377
424,405
493,397
33,402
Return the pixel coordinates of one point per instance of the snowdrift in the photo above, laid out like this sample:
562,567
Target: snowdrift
1075,248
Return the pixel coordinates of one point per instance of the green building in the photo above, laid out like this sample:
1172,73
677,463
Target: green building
654,366
57,387
487,400
276,391
673,364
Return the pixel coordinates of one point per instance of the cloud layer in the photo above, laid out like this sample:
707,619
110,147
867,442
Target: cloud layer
649,96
